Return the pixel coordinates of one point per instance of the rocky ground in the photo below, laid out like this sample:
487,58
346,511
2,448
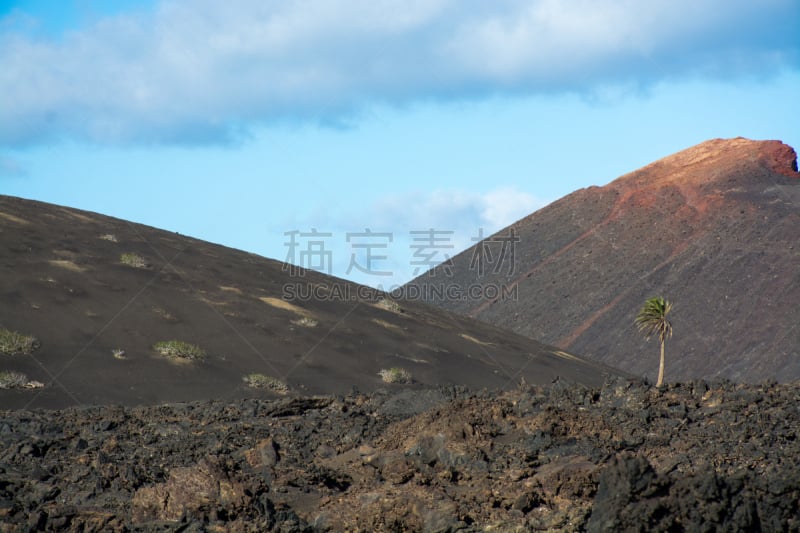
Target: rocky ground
623,457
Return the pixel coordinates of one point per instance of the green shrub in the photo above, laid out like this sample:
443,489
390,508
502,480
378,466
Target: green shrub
133,260
180,350
262,381
395,375
389,305
12,380
13,343
306,322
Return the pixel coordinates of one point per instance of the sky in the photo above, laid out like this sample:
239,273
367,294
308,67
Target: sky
328,132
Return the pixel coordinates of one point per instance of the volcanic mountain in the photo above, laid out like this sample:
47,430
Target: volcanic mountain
127,314
713,228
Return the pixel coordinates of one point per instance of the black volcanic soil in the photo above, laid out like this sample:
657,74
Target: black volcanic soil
63,281
713,228
622,457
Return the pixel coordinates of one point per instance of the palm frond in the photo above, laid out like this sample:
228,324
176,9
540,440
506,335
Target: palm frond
652,318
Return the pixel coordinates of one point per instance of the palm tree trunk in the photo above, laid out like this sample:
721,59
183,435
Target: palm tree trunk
661,367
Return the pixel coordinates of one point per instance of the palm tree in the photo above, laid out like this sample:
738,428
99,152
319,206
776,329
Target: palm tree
652,320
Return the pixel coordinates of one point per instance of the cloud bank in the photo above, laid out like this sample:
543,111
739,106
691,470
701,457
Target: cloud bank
203,71
458,217
441,209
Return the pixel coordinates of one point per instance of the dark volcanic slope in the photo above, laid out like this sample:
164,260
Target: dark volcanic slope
714,228
62,280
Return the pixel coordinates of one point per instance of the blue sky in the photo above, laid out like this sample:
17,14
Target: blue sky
239,121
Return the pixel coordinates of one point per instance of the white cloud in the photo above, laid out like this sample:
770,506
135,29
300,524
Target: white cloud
458,210
458,218
208,71
503,206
